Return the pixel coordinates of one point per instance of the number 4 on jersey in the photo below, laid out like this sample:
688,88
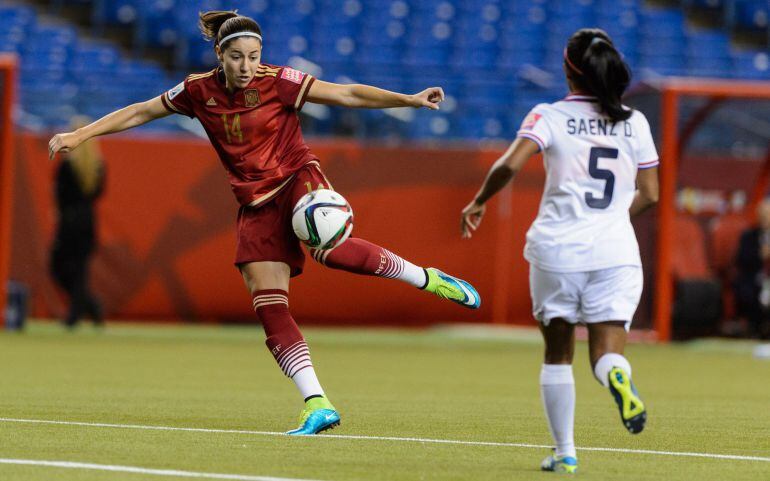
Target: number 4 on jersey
233,130
601,174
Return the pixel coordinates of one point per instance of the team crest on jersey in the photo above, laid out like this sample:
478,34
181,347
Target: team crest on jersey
175,91
292,75
530,121
251,97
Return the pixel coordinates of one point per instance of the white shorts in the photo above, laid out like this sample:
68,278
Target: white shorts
597,296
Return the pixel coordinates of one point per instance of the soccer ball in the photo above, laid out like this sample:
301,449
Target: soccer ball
322,219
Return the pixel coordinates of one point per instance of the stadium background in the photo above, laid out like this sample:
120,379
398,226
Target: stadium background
166,223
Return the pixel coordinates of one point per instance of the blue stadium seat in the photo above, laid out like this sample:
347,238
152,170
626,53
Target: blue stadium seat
751,15
156,24
477,123
429,125
486,53
116,12
751,64
707,53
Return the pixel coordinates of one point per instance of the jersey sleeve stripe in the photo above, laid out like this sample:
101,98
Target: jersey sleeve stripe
649,165
169,105
303,92
532,137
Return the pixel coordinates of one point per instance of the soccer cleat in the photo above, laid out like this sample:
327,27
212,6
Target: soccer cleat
452,288
318,415
632,410
560,464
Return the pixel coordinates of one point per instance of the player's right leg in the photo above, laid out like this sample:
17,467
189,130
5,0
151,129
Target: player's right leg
606,344
269,285
555,301
609,302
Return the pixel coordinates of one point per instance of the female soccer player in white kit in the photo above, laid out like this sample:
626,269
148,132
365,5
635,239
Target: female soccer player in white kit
601,168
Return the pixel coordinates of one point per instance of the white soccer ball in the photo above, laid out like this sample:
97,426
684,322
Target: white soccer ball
322,219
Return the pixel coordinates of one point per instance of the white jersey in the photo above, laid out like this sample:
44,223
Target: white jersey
591,164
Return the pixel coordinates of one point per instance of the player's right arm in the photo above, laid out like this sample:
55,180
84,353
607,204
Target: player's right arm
501,172
123,119
647,191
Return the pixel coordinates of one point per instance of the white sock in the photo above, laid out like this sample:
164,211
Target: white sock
605,364
307,383
413,275
557,386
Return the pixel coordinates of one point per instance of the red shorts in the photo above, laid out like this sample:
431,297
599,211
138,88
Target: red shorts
265,232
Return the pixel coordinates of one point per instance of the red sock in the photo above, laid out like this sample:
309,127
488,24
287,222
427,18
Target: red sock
361,257
283,337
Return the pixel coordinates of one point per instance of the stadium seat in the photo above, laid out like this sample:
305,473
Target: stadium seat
725,231
689,259
749,15
751,64
478,43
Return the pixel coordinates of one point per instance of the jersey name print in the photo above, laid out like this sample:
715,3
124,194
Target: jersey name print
583,223
255,130
599,127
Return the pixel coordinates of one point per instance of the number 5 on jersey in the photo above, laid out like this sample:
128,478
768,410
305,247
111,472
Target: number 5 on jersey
601,174
234,129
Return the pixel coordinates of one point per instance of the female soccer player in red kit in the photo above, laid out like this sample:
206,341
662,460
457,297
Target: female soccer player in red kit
250,113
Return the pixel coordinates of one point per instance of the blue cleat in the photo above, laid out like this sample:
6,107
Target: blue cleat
560,464
452,288
633,413
318,416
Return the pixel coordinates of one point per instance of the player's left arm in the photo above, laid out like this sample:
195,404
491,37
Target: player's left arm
501,172
368,97
647,191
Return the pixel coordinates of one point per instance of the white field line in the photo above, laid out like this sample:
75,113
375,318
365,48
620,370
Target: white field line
733,457
138,470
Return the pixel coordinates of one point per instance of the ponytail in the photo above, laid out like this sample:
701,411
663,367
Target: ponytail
601,71
210,22
218,24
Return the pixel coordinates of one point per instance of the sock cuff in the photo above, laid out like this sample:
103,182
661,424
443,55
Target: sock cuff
268,297
551,374
605,364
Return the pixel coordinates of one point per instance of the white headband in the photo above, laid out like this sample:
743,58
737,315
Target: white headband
240,34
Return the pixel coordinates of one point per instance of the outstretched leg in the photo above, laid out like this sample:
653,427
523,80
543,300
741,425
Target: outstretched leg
606,342
269,285
557,387
362,257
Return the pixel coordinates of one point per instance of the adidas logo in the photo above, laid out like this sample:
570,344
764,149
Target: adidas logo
211,102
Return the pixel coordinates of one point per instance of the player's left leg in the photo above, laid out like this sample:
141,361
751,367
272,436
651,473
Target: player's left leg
269,285
557,388
555,304
362,257
365,258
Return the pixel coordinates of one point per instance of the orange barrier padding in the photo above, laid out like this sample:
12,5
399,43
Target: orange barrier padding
167,233
7,85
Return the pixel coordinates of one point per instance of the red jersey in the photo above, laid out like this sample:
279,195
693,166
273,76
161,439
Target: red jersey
255,130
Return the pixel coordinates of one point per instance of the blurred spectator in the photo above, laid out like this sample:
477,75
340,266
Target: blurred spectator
79,182
752,284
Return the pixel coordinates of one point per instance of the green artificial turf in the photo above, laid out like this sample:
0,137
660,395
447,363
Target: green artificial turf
706,397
